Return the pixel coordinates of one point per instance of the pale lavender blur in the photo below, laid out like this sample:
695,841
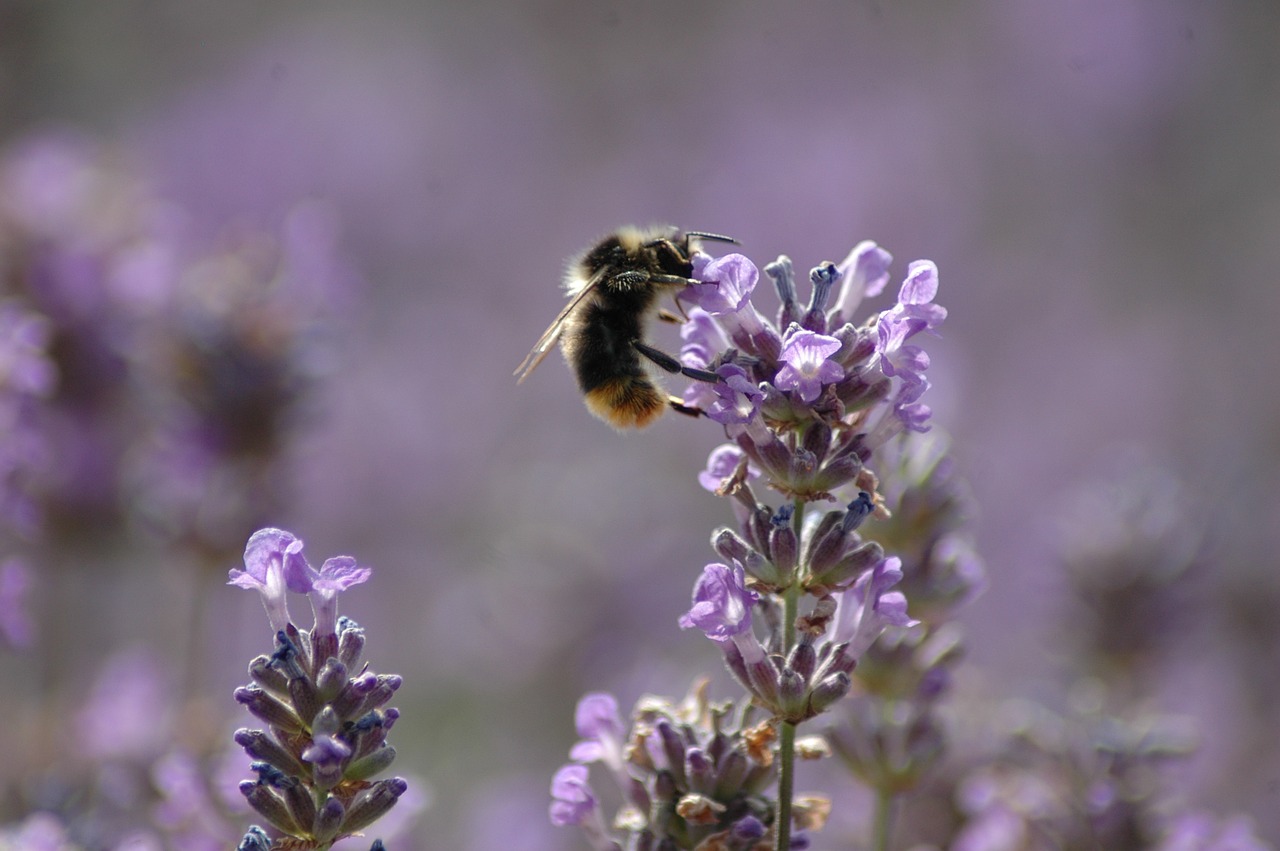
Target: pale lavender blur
1097,182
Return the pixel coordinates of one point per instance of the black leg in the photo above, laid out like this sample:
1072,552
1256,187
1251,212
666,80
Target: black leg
673,366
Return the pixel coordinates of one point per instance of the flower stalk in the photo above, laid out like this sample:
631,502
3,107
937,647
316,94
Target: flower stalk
325,715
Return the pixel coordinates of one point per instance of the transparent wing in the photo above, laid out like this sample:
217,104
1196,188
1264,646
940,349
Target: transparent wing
547,341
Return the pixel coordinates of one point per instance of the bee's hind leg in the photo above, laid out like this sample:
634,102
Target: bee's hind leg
677,404
673,366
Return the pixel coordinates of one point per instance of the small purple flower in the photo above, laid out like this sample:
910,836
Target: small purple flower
326,752
726,283
336,575
572,801
869,606
863,274
806,366
703,339
737,397
721,603
913,313
914,415
721,463
274,562
601,729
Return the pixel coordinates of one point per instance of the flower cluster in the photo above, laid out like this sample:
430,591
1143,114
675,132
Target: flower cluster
806,404
810,403
690,775
326,722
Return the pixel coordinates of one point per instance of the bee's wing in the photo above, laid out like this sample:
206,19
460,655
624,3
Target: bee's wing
549,337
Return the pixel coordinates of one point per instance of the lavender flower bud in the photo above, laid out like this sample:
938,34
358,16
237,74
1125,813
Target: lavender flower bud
260,746
373,803
729,545
269,805
757,528
699,771
333,676
850,566
802,659
366,767
354,694
305,699
828,691
731,772
664,789
826,542
287,659
783,546
255,839
791,695
823,277
817,440
783,275
302,807
265,674
350,643
269,709
673,749
328,820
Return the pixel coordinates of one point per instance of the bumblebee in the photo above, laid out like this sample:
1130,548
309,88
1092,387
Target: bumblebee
614,288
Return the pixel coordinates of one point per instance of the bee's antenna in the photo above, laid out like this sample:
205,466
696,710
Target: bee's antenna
716,237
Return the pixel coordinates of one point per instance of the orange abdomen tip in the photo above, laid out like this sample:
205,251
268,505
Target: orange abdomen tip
627,402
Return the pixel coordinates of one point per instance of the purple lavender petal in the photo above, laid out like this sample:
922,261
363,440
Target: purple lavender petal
721,603
572,800
806,366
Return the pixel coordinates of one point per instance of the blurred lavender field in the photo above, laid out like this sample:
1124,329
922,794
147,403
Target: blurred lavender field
273,264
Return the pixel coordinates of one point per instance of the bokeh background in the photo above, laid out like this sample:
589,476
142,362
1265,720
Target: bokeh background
1098,181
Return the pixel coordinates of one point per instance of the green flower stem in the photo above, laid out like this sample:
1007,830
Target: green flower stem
787,735
883,820
786,782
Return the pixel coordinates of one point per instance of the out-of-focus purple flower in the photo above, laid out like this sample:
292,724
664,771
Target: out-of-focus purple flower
16,628
601,729
40,831
994,829
130,710
1204,832
187,810
274,563
725,283
27,376
869,606
336,575
807,367
572,801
